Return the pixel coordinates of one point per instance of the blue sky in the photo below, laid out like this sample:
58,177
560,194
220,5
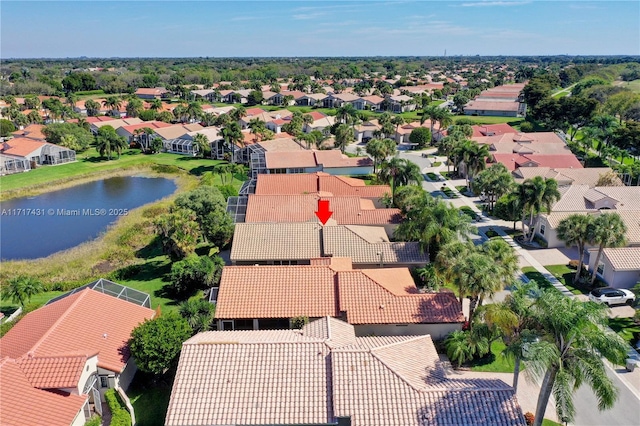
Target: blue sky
323,28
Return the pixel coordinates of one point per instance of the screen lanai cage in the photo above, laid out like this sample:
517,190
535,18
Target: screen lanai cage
9,165
112,289
55,154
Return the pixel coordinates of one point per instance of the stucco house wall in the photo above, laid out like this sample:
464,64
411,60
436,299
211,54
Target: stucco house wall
436,331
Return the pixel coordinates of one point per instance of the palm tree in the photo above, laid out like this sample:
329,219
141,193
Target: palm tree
155,104
380,149
21,289
257,127
343,136
538,193
113,103
445,119
233,136
238,112
572,230
346,114
198,313
398,121
475,157
606,230
447,261
92,107
399,172
574,342
193,111
202,142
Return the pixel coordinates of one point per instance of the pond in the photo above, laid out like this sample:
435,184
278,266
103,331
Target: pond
34,227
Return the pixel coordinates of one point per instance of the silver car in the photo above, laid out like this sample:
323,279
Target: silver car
612,296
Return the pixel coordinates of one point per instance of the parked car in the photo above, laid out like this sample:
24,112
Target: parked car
611,296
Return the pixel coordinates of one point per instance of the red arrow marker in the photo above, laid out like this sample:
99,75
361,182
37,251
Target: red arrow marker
323,212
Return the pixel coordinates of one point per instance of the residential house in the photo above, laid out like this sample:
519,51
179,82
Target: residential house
492,130
401,103
494,108
91,120
311,99
520,150
297,243
176,131
321,122
403,132
278,98
152,93
377,302
68,353
32,131
336,100
130,132
618,267
347,210
373,103
325,374
364,132
210,95
582,199
116,124
565,176
23,154
308,161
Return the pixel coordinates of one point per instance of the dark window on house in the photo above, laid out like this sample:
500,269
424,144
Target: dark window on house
244,324
104,382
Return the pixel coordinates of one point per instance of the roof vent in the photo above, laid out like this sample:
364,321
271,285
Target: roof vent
104,336
382,306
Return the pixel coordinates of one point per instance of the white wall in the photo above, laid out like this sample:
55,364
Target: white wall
437,331
90,367
123,380
80,419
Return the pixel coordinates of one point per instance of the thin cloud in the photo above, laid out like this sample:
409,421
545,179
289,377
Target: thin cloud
245,18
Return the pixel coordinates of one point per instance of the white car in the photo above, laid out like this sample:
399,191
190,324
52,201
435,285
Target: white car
612,296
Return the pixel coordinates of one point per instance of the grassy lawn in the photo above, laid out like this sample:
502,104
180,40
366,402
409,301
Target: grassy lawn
511,121
533,274
7,306
150,399
432,176
547,422
494,362
89,162
469,212
631,85
565,275
626,328
448,192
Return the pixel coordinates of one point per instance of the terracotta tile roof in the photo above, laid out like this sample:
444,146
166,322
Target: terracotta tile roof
373,99
582,197
515,161
292,159
322,372
32,131
150,124
23,404
378,296
483,105
87,321
347,210
117,123
389,296
309,183
254,111
286,143
154,91
91,120
333,158
624,258
276,292
53,371
177,130
20,147
565,176
495,129
317,115
275,241
351,241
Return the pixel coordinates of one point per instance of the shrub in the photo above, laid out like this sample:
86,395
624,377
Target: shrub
299,322
119,415
529,418
166,168
228,191
127,272
526,126
95,420
194,273
154,211
436,164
